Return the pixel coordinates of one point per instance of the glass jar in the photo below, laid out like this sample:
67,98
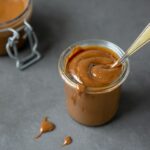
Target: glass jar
96,105
14,33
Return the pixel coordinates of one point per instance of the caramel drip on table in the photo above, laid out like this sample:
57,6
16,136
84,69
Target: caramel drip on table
67,140
46,126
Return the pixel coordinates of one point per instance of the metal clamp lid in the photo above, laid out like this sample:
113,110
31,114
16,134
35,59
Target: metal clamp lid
12,49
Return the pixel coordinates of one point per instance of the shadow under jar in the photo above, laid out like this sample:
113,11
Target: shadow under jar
15,30
91,105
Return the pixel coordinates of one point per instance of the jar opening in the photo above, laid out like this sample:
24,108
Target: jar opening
27,5
101,43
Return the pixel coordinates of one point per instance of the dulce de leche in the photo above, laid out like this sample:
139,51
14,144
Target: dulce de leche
12,15
10,9
46,126
85,66
67,140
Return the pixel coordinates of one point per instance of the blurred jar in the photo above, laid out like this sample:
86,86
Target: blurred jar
15,30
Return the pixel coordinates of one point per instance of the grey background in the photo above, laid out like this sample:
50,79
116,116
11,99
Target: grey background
25,97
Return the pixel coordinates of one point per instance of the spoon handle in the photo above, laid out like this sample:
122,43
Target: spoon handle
141,40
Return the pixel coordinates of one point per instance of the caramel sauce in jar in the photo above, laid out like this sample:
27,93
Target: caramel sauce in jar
92,90
12,15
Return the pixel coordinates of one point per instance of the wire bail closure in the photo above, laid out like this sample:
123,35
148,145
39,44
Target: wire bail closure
12,49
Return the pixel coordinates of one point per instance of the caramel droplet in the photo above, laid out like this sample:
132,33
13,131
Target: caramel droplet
81,89
74,98
46,126
67,140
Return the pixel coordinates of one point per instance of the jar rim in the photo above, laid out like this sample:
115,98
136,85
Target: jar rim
95,42
18,17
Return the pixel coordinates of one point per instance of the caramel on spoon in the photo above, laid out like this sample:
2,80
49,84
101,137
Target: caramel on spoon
141,40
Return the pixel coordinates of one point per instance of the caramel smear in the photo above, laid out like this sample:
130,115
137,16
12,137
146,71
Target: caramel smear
67,140
46,126
89,67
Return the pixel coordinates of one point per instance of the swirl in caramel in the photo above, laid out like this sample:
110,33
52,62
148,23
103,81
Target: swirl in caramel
86,66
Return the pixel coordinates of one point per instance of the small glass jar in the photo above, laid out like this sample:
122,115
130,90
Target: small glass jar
14,33
95,106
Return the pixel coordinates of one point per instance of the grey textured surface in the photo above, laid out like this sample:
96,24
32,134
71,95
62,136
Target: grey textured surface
25,97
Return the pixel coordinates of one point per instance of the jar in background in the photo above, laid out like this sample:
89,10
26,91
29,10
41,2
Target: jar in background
96,105
15,31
